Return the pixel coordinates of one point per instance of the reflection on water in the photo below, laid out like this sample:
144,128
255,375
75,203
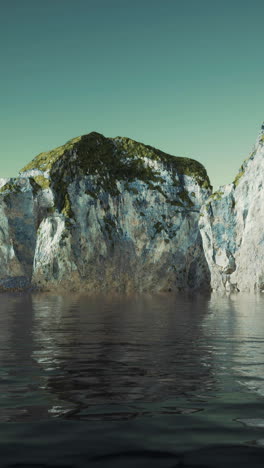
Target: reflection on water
81,351
60,355
235,326
198,360
121,351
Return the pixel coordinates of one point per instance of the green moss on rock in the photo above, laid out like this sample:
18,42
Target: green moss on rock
42,181
67,209
183,195
124,158
45,161
238,177
217,195
51,210
242,168
109,161
178,164
10,187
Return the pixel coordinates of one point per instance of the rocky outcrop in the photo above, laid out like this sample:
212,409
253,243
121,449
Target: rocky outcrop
17,232
104,214
231,224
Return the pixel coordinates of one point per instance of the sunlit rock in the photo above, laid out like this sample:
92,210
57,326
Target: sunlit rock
105,214
231,224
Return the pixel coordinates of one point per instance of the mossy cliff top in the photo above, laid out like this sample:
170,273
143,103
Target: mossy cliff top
117,158
259,144
243,168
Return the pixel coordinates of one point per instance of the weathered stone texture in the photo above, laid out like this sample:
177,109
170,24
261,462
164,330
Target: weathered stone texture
102,214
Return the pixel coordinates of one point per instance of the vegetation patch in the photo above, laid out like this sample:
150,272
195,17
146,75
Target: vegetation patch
177,164
51,210
238,176
10,187
67,209
109,160
184,196
217,195
45,161
42,181
241,171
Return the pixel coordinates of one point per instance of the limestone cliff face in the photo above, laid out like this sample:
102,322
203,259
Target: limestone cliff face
17,232
104,214
232,228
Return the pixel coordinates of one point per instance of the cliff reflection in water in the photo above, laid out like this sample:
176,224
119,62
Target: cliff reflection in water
107,351
235,326
21,397
64,356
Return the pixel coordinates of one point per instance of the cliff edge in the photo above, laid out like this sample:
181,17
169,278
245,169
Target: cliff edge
231,224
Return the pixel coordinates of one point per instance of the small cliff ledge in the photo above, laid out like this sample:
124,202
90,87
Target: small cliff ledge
231,224
104,214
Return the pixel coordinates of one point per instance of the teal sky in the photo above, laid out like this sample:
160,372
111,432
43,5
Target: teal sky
185,77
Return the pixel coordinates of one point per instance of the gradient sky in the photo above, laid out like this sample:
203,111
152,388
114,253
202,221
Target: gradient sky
185,77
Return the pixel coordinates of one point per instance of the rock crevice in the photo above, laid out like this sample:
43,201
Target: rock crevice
231,225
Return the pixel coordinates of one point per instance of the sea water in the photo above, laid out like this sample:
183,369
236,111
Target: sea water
143,381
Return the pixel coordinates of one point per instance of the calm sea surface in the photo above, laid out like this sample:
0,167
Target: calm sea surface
159,381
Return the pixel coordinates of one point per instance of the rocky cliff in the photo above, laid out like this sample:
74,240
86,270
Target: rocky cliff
231,224
104,214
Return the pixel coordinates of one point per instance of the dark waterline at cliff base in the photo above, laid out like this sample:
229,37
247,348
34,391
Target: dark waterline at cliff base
144,381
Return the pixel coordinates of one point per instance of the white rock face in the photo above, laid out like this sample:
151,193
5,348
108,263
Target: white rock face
232,228
104,215
133,242
17,233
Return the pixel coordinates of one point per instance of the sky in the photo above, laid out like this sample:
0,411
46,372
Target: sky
183,76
